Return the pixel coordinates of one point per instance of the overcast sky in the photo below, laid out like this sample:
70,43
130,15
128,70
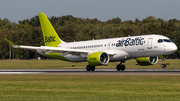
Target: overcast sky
16,10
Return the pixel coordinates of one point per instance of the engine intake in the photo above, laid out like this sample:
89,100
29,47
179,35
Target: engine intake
147,60
98,58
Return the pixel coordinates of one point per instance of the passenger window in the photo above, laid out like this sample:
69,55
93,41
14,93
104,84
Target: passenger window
160,41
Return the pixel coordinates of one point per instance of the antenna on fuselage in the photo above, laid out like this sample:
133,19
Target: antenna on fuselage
129,36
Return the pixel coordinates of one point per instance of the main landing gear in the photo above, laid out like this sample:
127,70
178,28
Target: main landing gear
163,65
90,68
120,66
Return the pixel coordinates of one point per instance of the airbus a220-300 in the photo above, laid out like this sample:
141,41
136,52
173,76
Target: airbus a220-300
145,48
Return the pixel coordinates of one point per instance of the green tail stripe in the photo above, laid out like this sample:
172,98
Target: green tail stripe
49,34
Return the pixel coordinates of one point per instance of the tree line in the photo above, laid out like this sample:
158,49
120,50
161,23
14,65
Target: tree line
69,28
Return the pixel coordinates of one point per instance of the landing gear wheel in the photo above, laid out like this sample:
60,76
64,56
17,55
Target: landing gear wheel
88,67
92,68
123,67
163,65
118,67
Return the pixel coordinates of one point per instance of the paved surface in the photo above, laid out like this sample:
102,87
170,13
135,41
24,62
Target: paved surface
84,72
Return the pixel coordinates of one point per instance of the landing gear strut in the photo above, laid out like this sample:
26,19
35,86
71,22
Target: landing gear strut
120,66
90,68
163,65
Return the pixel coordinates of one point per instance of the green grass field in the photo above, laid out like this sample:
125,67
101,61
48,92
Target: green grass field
86,88
55,64
89,88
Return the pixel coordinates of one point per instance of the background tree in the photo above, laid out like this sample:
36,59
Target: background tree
69,28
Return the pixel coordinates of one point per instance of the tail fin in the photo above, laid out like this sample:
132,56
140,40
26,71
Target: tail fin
49,34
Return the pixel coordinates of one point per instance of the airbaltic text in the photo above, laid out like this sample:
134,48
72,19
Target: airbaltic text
130,42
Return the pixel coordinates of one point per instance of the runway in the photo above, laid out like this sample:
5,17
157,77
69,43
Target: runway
84,72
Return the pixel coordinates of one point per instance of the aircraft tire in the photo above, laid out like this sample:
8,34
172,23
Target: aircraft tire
92,68
88,67
163,65
123,67
118,67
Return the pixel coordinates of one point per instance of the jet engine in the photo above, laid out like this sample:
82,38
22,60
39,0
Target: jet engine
147,60
98,58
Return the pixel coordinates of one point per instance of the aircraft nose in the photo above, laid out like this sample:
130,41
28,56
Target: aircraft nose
174,48
171,48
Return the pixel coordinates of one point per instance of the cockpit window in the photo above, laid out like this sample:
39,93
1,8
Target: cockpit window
160,40
164,40
167,40
170,40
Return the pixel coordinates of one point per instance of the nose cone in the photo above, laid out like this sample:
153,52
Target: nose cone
170,48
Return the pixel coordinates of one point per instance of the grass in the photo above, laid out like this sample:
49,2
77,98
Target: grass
89,88
56,64
86,88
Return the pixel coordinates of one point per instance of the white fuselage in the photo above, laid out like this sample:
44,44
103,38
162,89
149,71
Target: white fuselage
124,48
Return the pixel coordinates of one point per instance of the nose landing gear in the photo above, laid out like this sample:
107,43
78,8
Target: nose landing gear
163,65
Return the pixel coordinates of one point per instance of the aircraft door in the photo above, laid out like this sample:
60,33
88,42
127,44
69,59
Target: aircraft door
109,44
149,43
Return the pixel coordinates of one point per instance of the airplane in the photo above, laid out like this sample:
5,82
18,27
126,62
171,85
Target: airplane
146,49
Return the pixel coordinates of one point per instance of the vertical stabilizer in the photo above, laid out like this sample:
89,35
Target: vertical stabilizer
49,34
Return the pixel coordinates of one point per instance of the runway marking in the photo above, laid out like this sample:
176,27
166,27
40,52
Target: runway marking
84,72
18,73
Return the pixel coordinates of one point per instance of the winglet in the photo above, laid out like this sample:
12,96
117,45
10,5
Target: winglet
10,42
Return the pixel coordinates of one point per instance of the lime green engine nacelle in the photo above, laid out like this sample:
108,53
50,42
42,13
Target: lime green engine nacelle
98,58
147,60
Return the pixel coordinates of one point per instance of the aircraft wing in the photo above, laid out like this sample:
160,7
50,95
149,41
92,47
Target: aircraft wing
58,50
52,49
63,51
